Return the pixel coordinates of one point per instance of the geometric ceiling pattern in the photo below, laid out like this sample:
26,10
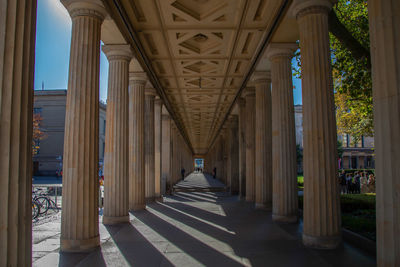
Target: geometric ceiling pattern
200,51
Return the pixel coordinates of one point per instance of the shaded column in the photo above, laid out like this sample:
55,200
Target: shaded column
80,214
242,148
250,98
157,146
321,212
233,154
284,167
17,50
137,182
165,150
263,141
116,149
150,94
384,21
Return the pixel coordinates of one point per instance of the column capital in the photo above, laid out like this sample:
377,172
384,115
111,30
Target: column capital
158,101
91,8
137,77
249,92
150,91
261,77
303,7
118,52
275,50
241,102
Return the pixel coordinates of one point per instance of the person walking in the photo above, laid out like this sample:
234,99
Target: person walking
342,181
183,173
214,172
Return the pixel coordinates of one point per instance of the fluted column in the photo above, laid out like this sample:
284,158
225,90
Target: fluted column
233,154
137,182
165,150
321,215
116,150
384,21
80,214
150,94
242,148
157,146
250,99
284,167
17,50
263,142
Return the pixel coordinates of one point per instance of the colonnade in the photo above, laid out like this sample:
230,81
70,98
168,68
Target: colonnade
268,133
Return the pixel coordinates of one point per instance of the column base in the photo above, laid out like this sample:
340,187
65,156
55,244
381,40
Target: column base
150,199
263,206
249,199
115,220
159,199
85,245
284,219
322,242
138,207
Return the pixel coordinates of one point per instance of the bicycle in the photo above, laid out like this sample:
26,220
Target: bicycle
35,209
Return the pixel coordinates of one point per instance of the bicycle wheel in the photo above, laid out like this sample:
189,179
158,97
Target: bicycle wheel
53,205
35,210
44,204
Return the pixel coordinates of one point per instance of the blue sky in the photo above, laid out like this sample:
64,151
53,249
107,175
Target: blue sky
53,40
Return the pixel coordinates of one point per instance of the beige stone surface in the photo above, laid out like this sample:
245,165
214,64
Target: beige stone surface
384,19
250,143
242,148
116,148
157,146
17,59
136,152
321,213
284,167
149,144
79,224
263,141
233,155
165,151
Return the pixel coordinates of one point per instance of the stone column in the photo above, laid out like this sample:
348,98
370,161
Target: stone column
80,214
157,146
137,182
150,94
116,149
284,167
233,155
384,21
17,64
242,148
165,150
250,99
263,143
321,213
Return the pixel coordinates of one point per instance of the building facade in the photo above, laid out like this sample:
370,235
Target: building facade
51,105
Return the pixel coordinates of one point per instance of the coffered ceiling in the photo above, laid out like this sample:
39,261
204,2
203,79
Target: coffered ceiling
200,51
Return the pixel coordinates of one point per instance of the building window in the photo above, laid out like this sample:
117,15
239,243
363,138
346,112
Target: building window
362,141
37,110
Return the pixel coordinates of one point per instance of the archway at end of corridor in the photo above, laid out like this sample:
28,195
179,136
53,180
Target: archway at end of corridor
198,165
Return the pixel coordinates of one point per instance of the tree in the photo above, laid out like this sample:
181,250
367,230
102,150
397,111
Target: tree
37,134
351,68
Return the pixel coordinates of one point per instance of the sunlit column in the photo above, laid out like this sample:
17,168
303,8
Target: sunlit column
384,21
321,212
284,167
80,214
137,82
150,94
263,141
17,59
116,150
165,150
157,146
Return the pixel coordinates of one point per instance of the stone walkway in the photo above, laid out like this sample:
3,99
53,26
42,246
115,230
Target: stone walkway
200,181
196,229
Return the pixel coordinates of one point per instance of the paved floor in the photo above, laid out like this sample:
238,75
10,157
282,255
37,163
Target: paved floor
200,181
196,229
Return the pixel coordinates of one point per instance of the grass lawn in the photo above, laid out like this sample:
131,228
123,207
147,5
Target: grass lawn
300,182
358,213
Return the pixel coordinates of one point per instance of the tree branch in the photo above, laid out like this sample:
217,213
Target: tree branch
346,38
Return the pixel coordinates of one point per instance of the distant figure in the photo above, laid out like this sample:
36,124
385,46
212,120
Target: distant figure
214,173
183,173
343,183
